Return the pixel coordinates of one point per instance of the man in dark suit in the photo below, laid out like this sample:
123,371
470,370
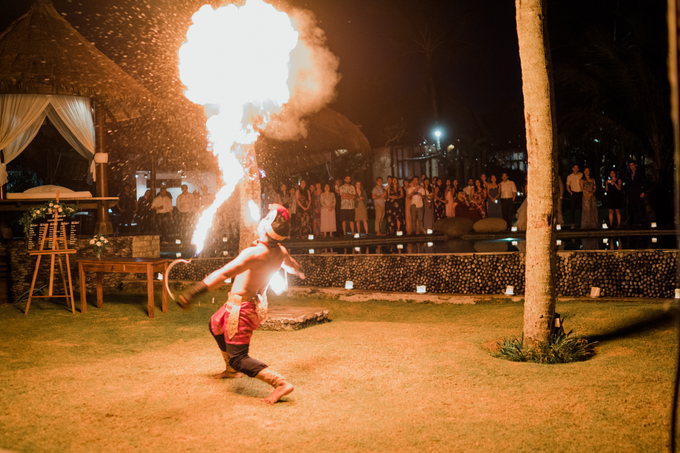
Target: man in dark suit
635,185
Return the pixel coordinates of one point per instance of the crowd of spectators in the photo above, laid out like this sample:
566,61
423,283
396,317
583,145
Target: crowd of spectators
583,192
411,206
156,215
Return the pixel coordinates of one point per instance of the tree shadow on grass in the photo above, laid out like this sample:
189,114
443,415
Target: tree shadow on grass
647,323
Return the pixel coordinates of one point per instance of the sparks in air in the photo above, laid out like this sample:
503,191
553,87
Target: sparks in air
237,61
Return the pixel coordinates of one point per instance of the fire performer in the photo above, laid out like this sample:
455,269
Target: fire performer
233,324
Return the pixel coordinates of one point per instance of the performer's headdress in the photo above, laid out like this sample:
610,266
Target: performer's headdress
277,222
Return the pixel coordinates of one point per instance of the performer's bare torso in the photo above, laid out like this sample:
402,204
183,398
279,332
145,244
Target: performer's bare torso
251,270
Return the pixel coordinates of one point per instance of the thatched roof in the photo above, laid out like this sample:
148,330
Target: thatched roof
41,53
328,131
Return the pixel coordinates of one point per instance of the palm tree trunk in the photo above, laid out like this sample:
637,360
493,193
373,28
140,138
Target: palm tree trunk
539,305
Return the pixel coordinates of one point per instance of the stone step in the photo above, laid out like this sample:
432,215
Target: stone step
294,318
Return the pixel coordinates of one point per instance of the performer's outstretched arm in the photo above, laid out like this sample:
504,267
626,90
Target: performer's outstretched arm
291,266
213,281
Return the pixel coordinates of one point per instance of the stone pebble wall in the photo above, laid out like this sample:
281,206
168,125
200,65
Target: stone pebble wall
22,264
632,273
196,270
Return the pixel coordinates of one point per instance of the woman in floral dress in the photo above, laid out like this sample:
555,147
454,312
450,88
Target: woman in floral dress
304,200
394,207
478,199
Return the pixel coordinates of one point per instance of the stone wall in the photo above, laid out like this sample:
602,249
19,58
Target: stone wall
146,247
629,273
22,264
198,269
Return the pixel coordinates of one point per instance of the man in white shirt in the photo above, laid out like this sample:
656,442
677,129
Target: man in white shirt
415,194
508,194
162,204
574,189
469,189
185,208
348,196
378,195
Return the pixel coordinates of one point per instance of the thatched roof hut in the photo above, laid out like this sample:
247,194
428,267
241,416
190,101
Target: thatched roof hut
328,132
41,53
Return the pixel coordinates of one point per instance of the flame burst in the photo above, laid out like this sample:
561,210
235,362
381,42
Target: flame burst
237,61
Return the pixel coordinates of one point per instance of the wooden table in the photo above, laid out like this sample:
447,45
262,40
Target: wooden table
150,266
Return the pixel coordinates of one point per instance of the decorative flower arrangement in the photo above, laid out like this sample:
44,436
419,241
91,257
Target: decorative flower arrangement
31,215
99,244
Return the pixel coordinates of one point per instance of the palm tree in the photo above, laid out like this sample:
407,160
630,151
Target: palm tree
539,305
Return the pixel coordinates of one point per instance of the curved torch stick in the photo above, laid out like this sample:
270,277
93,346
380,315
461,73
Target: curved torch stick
166,280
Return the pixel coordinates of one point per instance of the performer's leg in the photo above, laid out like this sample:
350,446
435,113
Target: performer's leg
229,372
242,362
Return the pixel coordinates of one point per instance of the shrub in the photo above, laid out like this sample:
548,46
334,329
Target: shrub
560,348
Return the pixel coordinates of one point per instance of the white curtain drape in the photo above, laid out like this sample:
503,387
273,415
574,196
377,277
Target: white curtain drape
17,146
71,116
18,112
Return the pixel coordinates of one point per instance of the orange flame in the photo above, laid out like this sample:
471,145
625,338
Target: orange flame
237,61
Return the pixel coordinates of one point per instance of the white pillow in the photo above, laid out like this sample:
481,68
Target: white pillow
48,189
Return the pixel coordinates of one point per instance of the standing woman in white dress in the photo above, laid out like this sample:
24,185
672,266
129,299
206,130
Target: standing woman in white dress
450,204
327,199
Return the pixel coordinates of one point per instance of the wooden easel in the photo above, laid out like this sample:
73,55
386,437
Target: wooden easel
54,252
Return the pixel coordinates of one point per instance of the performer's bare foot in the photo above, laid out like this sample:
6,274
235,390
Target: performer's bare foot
279,392
227,375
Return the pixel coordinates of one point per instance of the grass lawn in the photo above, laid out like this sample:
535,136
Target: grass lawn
382,376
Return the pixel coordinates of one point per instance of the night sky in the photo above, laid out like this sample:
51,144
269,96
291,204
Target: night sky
477,70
